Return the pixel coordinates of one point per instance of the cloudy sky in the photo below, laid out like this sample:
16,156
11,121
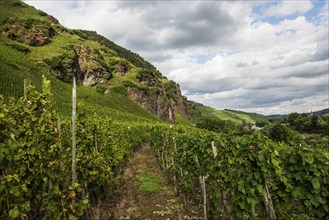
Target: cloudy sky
259,56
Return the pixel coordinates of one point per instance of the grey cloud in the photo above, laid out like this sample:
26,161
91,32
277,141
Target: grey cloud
241,64
322,51
261,93
211,86
137,4
205,24
187,24
275,95
312,71
157,57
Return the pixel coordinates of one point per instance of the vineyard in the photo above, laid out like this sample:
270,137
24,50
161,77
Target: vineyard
232,177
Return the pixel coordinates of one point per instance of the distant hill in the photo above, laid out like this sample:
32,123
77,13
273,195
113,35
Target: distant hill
278,116
235,116
321,111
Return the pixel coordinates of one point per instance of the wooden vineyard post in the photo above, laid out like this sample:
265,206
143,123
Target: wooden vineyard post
268,203
182,176
159,155
204,197
224,200
162,152
25,89
174,166
166,160
59,133
96,147
162,158
74,118
203,190
214,149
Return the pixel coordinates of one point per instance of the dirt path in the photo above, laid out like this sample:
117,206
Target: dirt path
143,192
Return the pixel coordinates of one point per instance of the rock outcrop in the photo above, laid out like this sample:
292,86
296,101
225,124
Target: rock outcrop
31,32
91,66
122,68
154,103
86,64
157,101
148,78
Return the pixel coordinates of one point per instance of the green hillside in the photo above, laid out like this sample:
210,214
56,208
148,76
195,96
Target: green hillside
15,66
237,117
33,43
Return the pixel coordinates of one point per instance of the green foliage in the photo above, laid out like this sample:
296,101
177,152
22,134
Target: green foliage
296,174
216,125
32,161
308,123
35,157
54,62
261,123
170,88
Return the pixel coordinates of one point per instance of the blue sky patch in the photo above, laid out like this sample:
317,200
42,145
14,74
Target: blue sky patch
310,15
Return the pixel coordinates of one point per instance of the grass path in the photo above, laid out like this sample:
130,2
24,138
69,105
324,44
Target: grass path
143,192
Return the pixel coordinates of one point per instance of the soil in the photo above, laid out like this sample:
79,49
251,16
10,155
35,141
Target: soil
128,202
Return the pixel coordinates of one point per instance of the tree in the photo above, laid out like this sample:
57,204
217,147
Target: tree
281,133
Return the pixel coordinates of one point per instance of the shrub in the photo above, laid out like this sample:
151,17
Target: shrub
42,13
11,35
18,4
281,133
54,62
20,47
120,90
101,89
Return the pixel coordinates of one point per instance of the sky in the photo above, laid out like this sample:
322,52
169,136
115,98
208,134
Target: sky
268,57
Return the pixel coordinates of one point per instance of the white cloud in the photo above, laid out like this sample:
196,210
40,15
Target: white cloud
286,8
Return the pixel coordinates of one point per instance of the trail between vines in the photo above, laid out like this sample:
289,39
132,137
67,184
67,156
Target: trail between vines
134,202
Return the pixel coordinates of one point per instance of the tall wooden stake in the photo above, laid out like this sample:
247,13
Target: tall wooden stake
59,133
268,203
214,149
25,89
74,118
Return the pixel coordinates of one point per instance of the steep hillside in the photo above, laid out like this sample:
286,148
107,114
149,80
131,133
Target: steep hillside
34,43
